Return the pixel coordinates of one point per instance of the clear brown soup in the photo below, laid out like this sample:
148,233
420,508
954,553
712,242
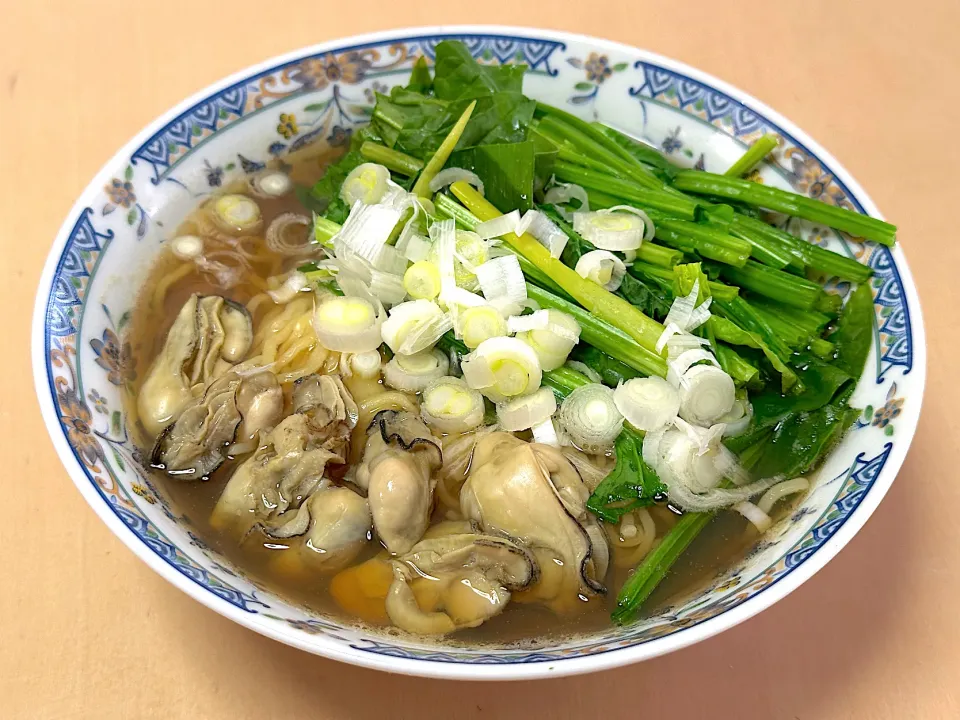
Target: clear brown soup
172,281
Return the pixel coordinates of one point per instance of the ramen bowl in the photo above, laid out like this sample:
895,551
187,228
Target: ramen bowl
82,354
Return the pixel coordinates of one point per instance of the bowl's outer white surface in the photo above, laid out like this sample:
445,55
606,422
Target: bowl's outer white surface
749,588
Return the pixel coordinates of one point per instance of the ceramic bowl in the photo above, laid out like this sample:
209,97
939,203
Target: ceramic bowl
81,356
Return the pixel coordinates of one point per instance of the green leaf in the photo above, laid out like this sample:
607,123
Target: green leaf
124,319
116,422
132,216
420,79
128,173
631,484
315,107
458,76
620,67
803,438
854,334
118,460
583,86
506,169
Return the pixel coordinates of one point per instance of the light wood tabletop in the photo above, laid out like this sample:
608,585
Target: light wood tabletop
87,630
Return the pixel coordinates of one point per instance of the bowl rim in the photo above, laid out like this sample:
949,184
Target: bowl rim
318,644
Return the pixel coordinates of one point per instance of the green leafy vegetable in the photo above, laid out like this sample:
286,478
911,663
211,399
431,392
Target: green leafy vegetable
459,76
507,171
420,79
631,484
854,334
611,371
442,153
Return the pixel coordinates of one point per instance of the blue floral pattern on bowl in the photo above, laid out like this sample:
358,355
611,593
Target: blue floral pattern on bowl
324,94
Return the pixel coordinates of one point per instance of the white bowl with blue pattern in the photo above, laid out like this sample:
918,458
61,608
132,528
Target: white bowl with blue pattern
115,230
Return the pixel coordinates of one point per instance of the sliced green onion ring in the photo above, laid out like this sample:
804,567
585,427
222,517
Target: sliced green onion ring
448,405
590,418
502,368
648,404
525,412
366,183
707,393
414,326
479,323
348,324
412,373
602,267
422,280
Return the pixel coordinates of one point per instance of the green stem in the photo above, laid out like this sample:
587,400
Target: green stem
440,157
704,183
393,160
702,239
812,256
647,270
324,230
753,156
654,567
636,149
676,205
774,284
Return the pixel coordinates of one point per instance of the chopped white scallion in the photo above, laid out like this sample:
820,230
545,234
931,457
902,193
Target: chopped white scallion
609,230
365,234
648,404
677,367
562,193
294,283
479,323
444,236
649,229
366,364
272,184
544,230
685,313
502,282
450,175
422,280
414,326
552,335
602,267
499,226
237,212
412,373
525,412
348,324
414,247
590,418
738,419
367,183
388,288
545,433
448,405
187,247
502,368
707,393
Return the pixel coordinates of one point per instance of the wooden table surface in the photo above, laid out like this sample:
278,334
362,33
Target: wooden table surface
87,630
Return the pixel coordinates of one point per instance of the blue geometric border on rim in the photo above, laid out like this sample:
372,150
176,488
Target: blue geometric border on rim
798,554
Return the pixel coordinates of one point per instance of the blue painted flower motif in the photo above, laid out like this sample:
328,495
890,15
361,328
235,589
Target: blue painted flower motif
214,174
884,415
98,401
672,142
276,148
317,73
369,93
114,357
120,193
812,179
76,418
339,137
598,68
